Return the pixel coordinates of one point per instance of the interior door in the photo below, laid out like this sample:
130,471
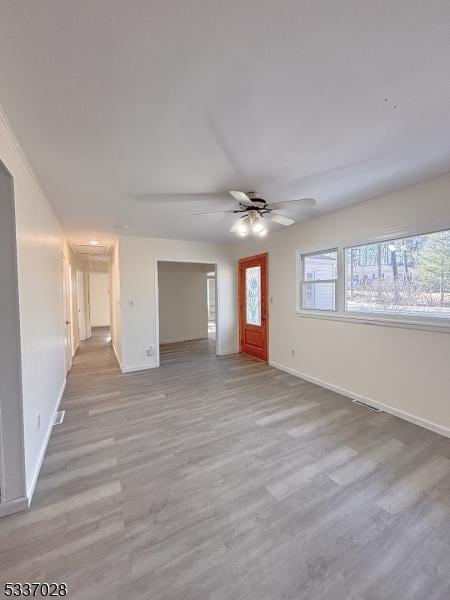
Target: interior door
253,306
81,306
66,281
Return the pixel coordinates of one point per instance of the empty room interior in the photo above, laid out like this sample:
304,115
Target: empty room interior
186,309
225,300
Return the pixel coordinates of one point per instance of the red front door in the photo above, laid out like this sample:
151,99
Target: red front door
253,311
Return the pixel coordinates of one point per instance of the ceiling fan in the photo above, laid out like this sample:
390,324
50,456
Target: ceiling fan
254,209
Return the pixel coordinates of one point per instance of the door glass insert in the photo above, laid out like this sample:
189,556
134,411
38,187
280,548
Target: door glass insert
253,295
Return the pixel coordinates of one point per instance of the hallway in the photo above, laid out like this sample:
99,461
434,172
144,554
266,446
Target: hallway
221,478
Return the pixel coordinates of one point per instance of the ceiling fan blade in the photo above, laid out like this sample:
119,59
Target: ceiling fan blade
280,219
241,197
165,197
300,203
217,212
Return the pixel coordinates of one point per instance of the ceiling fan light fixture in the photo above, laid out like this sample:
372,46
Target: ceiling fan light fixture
256,212
243,227
258,225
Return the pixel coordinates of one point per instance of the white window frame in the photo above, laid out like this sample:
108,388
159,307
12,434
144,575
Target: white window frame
301,281
435,324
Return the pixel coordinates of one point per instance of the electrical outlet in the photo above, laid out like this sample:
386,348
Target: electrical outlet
38,422
150,351
292,352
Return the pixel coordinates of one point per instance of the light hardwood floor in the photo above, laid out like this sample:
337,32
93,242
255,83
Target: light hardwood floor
220,478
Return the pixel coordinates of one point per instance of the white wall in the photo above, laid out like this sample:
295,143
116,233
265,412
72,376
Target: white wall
407,370
99,299
39,246
93,264
183,308
138,258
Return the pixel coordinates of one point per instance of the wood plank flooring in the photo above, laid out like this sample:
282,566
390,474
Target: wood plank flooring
220,478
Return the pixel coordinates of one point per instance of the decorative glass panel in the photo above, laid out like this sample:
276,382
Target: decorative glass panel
253,295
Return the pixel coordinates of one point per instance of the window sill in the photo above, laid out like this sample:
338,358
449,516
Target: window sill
368,319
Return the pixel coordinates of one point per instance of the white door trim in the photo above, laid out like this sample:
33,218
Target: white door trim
81,306
67,312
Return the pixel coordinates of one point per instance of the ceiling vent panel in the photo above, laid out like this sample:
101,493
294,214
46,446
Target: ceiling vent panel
89,249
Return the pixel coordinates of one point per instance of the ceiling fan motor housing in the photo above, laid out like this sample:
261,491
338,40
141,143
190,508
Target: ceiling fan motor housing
258,204
255,198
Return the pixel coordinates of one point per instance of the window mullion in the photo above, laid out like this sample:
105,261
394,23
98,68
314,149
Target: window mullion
340,284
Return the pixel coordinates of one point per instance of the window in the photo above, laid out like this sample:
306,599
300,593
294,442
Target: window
402,281
319,280
407,276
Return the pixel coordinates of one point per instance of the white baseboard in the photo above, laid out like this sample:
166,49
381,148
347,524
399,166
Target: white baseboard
228,352
184,339
440,429
13,506
133,368
117,356
143,367
30,490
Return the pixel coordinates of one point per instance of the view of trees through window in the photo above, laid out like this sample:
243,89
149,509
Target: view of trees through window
408,276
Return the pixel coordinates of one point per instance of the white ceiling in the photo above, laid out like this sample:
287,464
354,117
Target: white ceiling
112,100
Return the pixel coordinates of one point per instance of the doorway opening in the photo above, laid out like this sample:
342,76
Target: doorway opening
99,306
187,310
92,295
211,302
12,453
253,306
